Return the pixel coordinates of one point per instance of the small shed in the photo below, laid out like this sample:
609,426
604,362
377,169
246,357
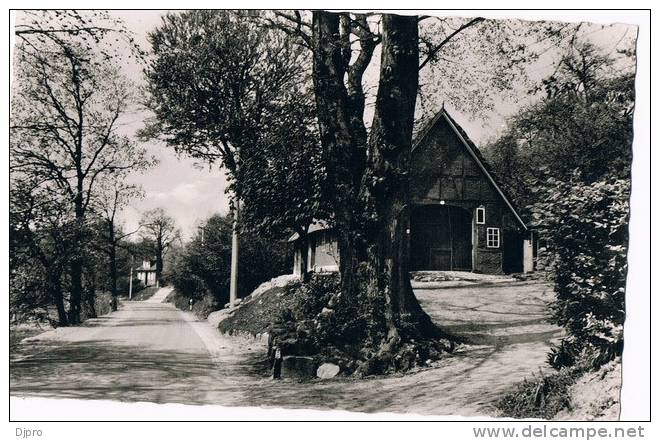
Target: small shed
322,251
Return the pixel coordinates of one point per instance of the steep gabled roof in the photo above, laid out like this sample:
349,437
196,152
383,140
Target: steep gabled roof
474,152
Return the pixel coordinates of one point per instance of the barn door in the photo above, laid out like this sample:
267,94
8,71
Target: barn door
441,239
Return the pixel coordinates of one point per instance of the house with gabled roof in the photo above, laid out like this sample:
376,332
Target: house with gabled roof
462,220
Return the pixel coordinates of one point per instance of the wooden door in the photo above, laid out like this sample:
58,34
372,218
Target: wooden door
441,239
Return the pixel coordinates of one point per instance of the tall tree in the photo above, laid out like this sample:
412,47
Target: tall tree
581,123
224,90
200,268
369,174
282,179
160,228
367,164
573,150
68,100
115,195
40,232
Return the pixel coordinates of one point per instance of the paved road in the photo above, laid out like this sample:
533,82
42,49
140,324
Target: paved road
146,351
149,351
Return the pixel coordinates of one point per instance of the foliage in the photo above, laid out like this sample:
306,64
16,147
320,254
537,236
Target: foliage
41,235
67,99
573,150
201,307
319,321
540,397
201,268
583,123
217,82
159,229
225,90
282,177
585,227
473,62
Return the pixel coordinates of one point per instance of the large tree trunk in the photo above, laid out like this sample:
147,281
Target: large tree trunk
344,146
370,192
386,185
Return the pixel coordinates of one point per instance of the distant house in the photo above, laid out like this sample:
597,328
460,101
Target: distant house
147,272
462,220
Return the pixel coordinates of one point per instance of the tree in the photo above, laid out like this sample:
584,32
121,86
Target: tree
582,122
365,164
115,196
67,101
161,229
281,180
369,175
228,92
39,250
568,157
585,228
200,269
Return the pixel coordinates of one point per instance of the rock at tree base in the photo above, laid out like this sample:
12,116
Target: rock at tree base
327,370
294,366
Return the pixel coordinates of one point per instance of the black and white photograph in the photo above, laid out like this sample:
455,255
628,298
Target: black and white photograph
321,214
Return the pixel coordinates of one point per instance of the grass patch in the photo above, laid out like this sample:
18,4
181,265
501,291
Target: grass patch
540,397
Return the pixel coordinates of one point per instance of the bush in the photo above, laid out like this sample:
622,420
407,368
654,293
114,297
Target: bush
202,306
103,303
586,229
201,268
540,397
322,324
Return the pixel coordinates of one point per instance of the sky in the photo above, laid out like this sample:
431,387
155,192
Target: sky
187,191
190,192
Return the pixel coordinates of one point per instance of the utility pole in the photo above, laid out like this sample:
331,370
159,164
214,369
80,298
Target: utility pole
233,280
130,280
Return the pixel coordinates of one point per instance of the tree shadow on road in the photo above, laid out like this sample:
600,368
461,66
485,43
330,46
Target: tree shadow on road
103,369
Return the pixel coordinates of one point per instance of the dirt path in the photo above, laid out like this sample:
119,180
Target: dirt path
153,352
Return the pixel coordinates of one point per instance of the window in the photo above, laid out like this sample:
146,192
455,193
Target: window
481,215
492,237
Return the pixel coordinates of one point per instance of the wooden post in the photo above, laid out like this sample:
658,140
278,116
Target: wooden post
233,286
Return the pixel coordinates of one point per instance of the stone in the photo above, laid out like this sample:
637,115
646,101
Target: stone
327,370
298,367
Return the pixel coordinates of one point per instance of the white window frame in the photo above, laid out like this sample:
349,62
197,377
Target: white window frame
483,215
492,237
